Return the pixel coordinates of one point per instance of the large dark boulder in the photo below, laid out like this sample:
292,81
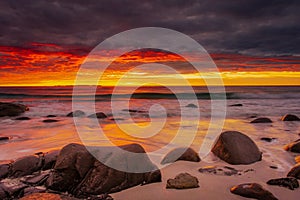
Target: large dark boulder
289,117
252,190
12,109
261,120
236,148
186,154
4,170
78,172
293,147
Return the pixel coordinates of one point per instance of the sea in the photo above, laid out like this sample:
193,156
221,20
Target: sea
155,117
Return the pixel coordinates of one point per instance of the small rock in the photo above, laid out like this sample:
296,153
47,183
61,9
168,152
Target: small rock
252,190
12,109
289,182
266,139
4,138
25,166
99,115
12,188
183,181
50,116
220,170
236,105
42,196
273,167
32,190
50,120
76,113
133,111
236,148
290,117
295,171
37,179
22,118
186,154
293,147
262,120
191,105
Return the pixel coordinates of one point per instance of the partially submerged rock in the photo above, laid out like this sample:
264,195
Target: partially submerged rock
261,120
290,117
183,181
293,147
12,109
222,170
186,154
295,171
78,172
76,113
25,166
267,139
252,190
99,115
4,138
50,120
191,105
289,182
22,118
236,148
236,105
50,116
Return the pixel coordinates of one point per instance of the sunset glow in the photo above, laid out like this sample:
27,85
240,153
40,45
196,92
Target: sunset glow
50,64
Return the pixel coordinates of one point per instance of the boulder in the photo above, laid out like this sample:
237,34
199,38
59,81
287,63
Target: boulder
236,148
22,118
289,117
191,105
186,154
261,120
295,171
183,181
50,159
289,182
76,113
78,172
293,147
99,115
252,190
25,166
12,109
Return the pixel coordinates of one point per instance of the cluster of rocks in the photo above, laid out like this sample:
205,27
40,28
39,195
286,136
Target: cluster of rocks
287,117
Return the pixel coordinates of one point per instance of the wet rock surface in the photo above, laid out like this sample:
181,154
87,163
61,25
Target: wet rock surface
289,182
290,117
12,109
183,181
261,120
236,148
252,190
186,154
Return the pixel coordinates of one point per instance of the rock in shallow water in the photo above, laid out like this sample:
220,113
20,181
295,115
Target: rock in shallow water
236,148
252,190
191,105
99,115
78,172
289,117
22,118
12,109
183,181
295,171
289,182
186,154
50,120
76,113
261,120
293,147
222,170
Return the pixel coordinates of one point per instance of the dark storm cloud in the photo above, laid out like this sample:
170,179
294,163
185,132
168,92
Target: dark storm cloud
244,26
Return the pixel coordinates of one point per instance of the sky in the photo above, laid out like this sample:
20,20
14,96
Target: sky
252,42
